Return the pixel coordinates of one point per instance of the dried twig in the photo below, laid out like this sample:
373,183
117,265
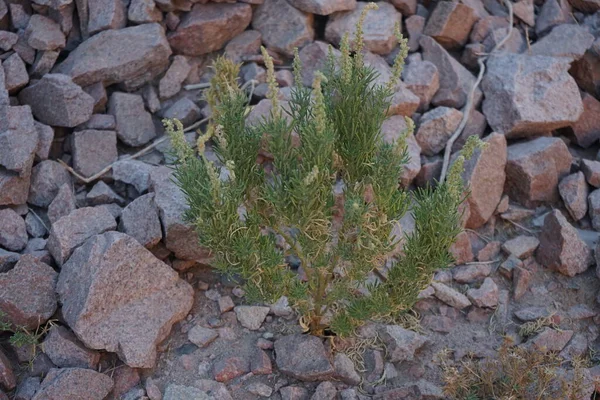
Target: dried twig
467,109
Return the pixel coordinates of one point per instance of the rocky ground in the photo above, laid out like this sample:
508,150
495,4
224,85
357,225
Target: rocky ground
98,266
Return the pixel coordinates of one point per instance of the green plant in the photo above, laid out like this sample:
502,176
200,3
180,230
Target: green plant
322,136
21,336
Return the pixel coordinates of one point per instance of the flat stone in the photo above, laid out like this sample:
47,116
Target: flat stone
133,55
282,26
179,392
46,179
225,304
230,367
202,336
73,230
251,317
44,34
93,150
450,24
63,203
13,232
534,168
522,246
401,343
527,95
439,323
66,351
455,80
171,204
208,27
574,192
435,128
450,296
134,124
486,295
15,73
74,383
561,248
106,15
55,100
303,357
591,171
185,110
422,78
170,83
140,220
588,6
133,172
27,294
378,27
471,273
568,40
147,297
246,43
551,340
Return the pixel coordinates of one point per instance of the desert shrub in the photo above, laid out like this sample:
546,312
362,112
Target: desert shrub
324,136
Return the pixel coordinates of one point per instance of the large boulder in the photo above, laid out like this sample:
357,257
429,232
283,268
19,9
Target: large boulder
133,55
118,297
208,27
527,95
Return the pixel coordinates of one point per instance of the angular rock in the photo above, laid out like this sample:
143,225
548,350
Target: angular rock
46,179
344,369
230,367
586,130
293,393
73,230
569,40
561,248
591,171
282,26
325,391
246,43
133,55
66,351
515,43
185,110
251,317
28,388
27,293
7,376
422,78
401,343
18,142
93,150
147,297
486,296
170,84
43,63
391,130
143,11
74,383
524,10
208,27
323,7
202,336
534,168
98,93
455,80
179,392
552,13
527,95
414,27
259,389
522,246
13,233
35,227
101,122
105,15
461,250
313,58
588,6
594,208
63,203
7,39
101,193
574,192
133,172
303,357
471,273
8,259
15,73
378,27
450,24
450,296
140,220
55,100
551,340
45,139
134,124
44,34
435,128
484,175
171,203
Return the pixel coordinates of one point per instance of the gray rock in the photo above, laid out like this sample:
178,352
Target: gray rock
313,58
73,230
7,375
574,192
323,7
44,34
260,389
106,14
561,248
133,55
586,130
146,297
521,246
401,343
450,296
8,259
185,110
435,128
35,227
93,150
170,83
344,369
591,171
251,317
568,40
422,78
13,232
101,193
27,293
43,63
45,139
471,273
133,172
486,295
15,73
66,351
179,392
247,42
526,95
63,203
74,383
101,122
303,357
46,179
55,100
27,388
134,123
140,220
325,391
202,336
143,11
594,208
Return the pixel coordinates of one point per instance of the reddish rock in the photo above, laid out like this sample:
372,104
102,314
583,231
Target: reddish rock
229,368
528,95
245,44
44,34
105,15
66,351
486,295
282,26
93,150
422,78
63,203
74,383
586,130
134,124
574,192
591,171
378,27
7,376
471,273
260,363
461,249
524,10
303,357
489,252
450,24
561,248
521,246
323,7
208,27
401,343
435,128
534,168
551,340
